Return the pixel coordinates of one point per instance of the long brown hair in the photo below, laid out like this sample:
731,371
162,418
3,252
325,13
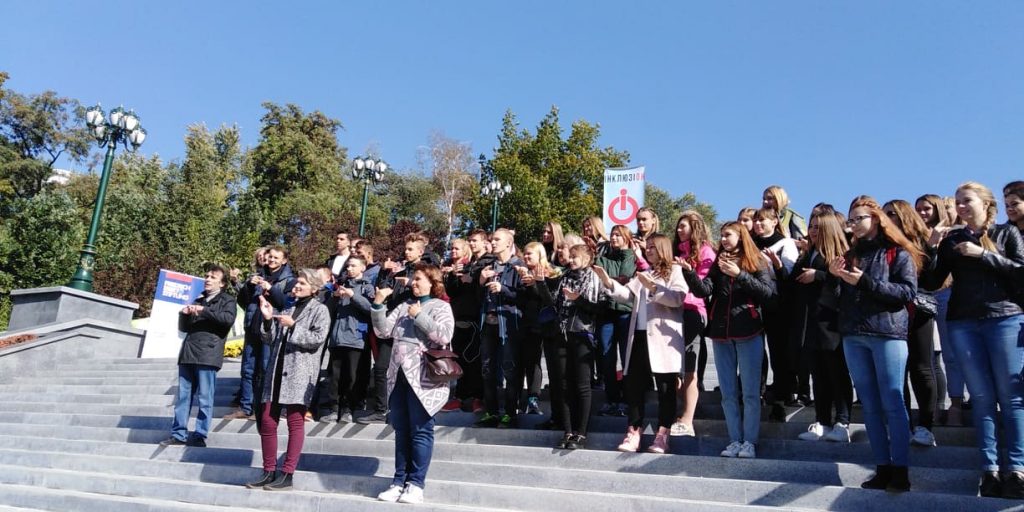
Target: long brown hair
749,258
656,221
939,207
909,221
888,230
663,247
831,238
699,236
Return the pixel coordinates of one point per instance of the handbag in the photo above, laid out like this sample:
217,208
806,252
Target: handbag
441,365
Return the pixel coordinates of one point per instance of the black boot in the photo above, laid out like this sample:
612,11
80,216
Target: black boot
268,476
899,479
1012,485
990,486
881,479
282,483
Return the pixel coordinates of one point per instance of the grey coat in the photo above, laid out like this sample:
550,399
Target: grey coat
301,343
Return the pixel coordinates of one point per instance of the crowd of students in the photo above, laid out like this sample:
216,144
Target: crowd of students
890,298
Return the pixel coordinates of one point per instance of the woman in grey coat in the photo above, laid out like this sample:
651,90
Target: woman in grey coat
295,337
422,322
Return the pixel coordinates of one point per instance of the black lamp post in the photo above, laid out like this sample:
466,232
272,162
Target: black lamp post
369,171
121,127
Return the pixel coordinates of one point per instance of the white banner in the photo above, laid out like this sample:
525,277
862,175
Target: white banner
174,291
623,197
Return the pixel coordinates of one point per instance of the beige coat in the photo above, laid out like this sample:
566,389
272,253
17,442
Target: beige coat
433,328
665,340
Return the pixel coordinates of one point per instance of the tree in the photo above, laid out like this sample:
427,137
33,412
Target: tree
552,178
669,208
450,165
36,131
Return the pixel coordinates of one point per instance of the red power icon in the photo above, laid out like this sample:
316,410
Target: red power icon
626,211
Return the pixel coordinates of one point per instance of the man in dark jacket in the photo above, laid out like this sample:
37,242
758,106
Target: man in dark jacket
275,285
206,323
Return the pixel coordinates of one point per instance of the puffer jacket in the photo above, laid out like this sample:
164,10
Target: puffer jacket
736,306
984,287
351,315
877,304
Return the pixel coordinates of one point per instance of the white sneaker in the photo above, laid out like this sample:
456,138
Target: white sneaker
391,494
732,450
412,494
681,429
840,433
747,451
923,437
814,432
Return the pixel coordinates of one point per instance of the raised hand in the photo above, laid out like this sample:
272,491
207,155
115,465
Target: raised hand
382,295
266,309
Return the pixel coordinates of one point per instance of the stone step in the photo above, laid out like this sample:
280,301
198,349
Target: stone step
348,474
62,500
157,416
346,455
349,492
154,429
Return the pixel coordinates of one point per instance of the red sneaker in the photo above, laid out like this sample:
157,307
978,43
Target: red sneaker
453,405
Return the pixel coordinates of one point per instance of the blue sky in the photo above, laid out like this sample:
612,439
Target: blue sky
828,99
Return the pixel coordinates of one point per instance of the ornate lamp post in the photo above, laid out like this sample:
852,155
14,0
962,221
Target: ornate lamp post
122,127
496,190
369,171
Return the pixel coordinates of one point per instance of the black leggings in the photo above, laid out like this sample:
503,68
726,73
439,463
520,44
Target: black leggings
779,354
832,386
920,370
380,374
638,381
530,347
466,343
574,366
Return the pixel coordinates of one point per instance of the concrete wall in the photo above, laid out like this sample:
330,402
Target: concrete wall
70,341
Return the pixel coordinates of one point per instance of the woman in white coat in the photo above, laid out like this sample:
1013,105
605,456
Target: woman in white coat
656,343
423,322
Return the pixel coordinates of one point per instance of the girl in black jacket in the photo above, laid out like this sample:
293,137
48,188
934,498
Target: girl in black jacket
739,285
877,280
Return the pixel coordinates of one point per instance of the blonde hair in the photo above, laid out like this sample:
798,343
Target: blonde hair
596,227
831,238
542,254
556,234
582,250
780,196
312,277
663,247
991,209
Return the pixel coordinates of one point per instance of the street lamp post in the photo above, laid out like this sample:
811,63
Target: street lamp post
122,127
496,190
369,171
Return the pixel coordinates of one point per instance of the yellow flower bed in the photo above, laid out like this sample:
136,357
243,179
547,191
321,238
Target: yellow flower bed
233,348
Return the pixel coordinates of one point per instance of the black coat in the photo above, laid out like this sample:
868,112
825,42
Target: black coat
735,311
815,321
205,332
877,305
984,287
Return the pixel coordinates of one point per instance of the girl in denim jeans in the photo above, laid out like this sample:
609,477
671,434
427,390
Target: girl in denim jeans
739,284
877,280
984,326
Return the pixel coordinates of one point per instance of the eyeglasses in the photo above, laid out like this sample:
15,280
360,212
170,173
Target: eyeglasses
853,220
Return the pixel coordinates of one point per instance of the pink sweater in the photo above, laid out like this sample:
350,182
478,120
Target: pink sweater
706,259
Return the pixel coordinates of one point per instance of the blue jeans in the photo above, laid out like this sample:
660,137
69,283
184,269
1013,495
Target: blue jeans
612,332
991,354
414,435
876,365
954,375
196,385
742,357
253,348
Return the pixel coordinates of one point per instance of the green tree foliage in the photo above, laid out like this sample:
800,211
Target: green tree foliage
669,208
36,130
552,178
40,240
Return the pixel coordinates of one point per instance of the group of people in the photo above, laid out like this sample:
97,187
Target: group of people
887,298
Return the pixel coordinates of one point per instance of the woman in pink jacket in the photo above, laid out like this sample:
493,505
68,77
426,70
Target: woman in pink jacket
693,245
655,342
